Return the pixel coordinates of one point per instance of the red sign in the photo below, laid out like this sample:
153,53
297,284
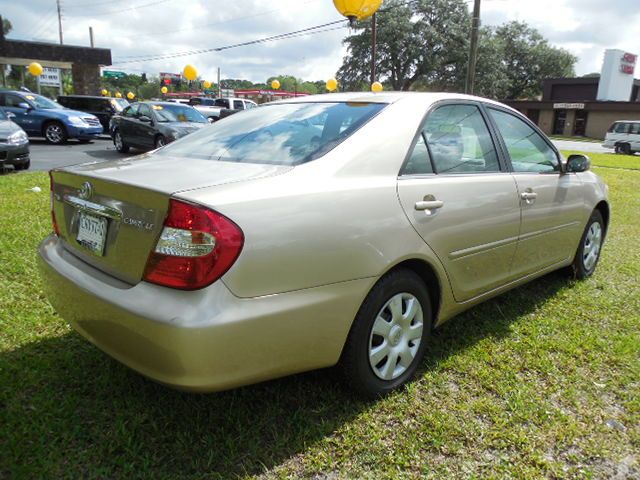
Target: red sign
628,69
629,58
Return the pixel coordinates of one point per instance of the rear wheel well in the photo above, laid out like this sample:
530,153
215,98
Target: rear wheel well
428,275
603,208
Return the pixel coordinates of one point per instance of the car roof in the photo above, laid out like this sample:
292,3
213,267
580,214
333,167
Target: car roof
420,99
94,97
154,102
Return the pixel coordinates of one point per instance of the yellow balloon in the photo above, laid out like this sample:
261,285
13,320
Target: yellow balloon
104,92
332,84
357,9
275,84
131,95
164,90
206,84
190,72
376,87
118,95
35,69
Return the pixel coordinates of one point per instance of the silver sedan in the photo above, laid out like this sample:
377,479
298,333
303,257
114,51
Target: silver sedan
329,230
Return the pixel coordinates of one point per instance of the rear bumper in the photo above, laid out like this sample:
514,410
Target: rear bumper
203,340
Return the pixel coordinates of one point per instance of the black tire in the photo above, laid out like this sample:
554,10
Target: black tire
580,267
23,166
118,142
623,149
357,371
55,133
160,141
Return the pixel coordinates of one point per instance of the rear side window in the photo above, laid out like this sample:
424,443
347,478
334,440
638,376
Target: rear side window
279,134
529,152
222,102
419,162
237,105
635,128
131,111
459,141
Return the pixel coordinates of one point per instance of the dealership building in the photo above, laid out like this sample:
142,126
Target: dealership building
587,106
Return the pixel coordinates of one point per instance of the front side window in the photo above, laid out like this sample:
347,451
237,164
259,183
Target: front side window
131,112
222,102
238,105
529,152
279,134
459,140
621,127
144,110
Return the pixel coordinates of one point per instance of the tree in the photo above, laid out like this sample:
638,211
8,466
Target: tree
423,45
528,58
423,40
6,26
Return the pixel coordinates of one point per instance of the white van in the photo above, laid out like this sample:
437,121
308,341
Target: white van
624,137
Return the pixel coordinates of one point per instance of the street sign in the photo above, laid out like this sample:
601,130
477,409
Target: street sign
50,77
113,74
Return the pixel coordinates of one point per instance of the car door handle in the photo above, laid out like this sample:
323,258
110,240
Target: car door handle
528,196
429,205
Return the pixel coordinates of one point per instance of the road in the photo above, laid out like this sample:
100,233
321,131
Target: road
589,147
44,156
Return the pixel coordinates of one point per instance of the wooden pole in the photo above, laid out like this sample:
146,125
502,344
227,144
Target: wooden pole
473,49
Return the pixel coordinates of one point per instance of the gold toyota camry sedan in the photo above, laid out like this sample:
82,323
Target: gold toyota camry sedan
329,230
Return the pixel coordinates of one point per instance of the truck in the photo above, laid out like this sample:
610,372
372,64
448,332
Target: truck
212,107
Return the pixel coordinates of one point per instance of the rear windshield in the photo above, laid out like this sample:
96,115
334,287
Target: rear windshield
177,113
279,134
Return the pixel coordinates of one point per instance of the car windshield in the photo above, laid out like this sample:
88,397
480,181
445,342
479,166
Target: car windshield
42,102
279,134
178,113
119,104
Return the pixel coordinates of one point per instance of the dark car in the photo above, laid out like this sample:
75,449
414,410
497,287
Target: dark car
14,143
149,125
102,107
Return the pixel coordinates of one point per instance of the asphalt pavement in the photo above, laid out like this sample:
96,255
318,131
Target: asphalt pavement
44,156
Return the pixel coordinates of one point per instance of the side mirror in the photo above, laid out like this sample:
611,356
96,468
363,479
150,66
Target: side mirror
24,105
578,163
144,118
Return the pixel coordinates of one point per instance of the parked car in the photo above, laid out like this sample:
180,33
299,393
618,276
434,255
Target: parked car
38,116
212,107
313,232
14,143
624,137
102,107
149,125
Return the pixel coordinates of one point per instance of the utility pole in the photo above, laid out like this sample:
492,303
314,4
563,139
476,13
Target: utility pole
60,88
473,49
91,37
219,87
373,48
59,21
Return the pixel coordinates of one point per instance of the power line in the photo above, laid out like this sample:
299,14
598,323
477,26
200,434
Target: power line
297,33
113,12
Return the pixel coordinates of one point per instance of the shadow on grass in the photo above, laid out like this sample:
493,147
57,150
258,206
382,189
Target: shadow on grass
71,411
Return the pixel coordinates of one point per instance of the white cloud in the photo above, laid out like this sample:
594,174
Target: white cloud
586,28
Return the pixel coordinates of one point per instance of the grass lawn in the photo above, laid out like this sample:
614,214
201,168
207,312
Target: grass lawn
542,382
576,139
611,160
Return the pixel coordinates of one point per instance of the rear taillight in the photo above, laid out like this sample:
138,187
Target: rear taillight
196,247
53,214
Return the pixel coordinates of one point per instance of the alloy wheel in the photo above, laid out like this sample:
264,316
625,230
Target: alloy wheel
54,133
396,336
591,247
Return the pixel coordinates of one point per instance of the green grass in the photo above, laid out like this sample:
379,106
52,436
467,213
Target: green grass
611,160
576,139
522,386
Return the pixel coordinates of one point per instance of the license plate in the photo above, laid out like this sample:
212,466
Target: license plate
92,232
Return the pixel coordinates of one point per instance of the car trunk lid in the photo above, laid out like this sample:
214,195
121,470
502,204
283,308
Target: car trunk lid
111,214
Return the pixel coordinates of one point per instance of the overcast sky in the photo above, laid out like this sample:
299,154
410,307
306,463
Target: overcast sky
142,27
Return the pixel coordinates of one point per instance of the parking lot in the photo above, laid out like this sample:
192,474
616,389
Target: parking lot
45,156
